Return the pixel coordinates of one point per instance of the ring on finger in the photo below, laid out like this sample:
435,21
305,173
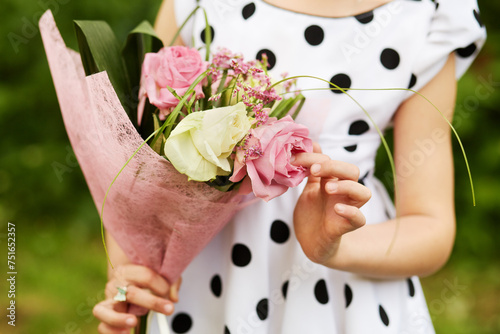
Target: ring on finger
121,295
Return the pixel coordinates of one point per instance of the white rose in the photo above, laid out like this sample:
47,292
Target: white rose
201,144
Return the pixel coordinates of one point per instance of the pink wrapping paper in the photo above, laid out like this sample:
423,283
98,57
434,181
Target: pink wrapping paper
157,217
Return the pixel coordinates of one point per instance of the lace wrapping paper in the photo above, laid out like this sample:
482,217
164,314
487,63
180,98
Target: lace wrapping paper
158,218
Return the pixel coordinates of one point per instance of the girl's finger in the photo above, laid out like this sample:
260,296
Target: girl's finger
146,299
317,148
104,328
111,289
105,312
335,169
356,192
308,159
143,277
352,214
174,291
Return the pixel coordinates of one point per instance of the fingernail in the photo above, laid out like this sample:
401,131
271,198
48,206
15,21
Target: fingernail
293,158
169,308
340,207
130,322
315,169
332,187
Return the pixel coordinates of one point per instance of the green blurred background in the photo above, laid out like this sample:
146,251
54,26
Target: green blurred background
60,259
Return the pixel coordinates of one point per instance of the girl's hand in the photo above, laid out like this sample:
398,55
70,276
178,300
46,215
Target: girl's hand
145,288
329,205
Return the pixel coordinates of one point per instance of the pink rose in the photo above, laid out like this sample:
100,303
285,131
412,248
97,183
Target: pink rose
266,157
176,67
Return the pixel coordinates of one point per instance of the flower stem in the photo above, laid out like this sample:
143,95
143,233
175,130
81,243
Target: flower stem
142,325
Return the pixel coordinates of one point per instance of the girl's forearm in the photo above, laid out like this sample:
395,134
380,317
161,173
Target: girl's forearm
410,245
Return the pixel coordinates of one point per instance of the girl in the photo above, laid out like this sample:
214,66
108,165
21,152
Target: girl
305,262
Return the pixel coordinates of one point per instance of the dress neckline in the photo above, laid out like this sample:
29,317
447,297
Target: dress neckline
360,15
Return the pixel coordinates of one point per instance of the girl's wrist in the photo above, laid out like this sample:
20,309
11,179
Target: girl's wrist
326,252
341,257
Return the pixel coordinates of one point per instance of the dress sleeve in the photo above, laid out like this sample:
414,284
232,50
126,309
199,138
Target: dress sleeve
455,28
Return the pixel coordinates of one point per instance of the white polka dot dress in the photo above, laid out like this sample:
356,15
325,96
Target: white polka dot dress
253,277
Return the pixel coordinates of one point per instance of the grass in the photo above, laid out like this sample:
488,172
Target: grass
464,297
61,275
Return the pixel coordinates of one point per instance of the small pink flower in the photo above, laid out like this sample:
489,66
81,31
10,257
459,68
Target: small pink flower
265,157
176,67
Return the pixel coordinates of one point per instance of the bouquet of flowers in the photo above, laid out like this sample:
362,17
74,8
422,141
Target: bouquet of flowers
217,129
235,126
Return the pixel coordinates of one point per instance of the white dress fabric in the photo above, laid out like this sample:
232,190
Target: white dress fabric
253,278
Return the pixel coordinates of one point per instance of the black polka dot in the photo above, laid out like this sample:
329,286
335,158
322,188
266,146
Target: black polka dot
226,330
365,17
413,81
358,128
202,35
362,179
437,5
182,323
351,148
342,80
216,285
248,10
467,51
314,35
280,232
411,287
387,214
478,18
389,58
241,255
347,295
383,315
263,309
271,58
320,292
284,289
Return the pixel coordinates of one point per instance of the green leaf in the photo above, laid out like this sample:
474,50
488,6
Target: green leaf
147,122
100,51
190,104
142,327
301,100
158,146
222,83
141,40
208,36
284,106
222,183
